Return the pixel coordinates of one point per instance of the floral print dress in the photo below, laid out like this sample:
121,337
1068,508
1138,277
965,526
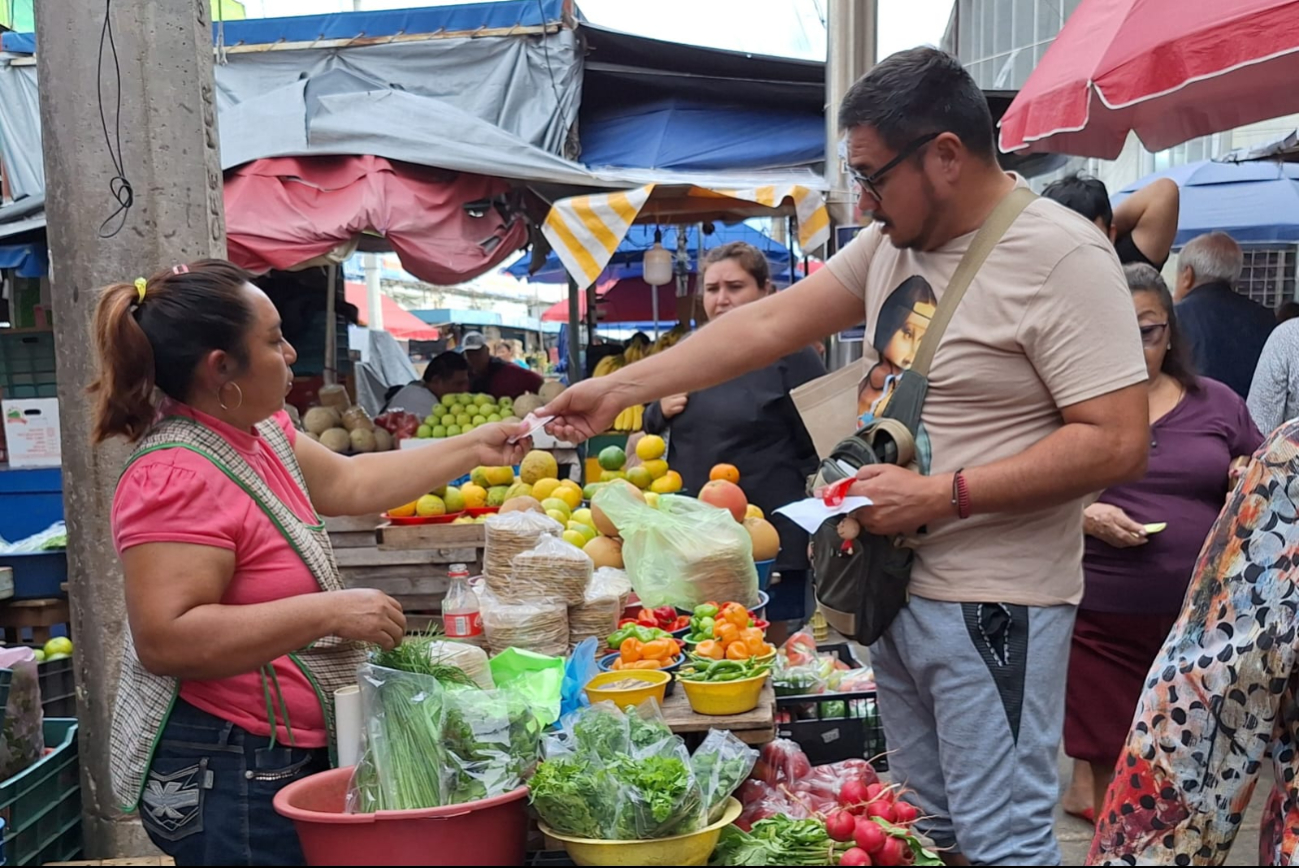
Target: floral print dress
1222,693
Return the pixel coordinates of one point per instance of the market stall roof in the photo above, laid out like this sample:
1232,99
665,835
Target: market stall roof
586,231
397,321
445,227
1255,202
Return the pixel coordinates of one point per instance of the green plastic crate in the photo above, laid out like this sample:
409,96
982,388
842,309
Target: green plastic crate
42,806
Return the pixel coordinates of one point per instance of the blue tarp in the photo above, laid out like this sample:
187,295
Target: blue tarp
626,261
347,25
1255,202
690,135
27,260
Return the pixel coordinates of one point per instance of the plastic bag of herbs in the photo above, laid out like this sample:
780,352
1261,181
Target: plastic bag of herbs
433,737
617,775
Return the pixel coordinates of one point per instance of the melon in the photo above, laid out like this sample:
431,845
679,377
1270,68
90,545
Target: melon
527,403
336,440
363,440
604,552
522,503
320,419
550,390
382,440
602,522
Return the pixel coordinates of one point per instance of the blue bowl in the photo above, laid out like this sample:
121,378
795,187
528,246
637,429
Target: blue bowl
759,610
606,665
764,573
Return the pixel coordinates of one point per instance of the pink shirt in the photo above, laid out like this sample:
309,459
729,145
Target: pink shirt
178,496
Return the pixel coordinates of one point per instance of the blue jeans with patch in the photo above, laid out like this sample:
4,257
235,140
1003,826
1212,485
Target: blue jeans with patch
207,799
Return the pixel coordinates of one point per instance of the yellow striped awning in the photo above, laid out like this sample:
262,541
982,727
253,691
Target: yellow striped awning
585,231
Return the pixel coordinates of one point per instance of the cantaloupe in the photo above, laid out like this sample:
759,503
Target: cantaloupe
602,521
336,440
605,551
522,503
320,419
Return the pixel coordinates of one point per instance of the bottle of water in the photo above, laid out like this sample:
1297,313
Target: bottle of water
461,618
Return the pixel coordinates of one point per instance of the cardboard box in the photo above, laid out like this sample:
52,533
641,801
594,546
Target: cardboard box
31,429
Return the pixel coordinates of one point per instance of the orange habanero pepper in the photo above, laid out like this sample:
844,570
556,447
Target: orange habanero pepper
630,649
710,649
737,651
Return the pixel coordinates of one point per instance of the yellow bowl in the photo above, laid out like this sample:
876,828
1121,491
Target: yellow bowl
724,697
655,685
691,849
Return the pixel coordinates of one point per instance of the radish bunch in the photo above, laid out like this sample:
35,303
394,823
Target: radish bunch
877,821
856,807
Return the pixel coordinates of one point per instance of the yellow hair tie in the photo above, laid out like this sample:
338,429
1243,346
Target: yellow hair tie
140,286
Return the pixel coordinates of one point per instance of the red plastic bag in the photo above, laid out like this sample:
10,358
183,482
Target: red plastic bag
782,762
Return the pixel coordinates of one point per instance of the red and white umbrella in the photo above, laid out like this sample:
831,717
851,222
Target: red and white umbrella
1171,70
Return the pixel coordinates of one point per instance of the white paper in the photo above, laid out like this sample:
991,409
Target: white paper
347,724
811,513
535,423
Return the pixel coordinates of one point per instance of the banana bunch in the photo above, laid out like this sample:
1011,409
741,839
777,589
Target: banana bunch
637,348
608,365
631,419
669,338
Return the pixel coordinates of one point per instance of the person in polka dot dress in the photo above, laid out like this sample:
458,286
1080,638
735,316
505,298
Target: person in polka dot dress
1223,692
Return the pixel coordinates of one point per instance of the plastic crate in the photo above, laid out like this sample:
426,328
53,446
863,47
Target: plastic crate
58,688
831,727
38,576
41,807
27,365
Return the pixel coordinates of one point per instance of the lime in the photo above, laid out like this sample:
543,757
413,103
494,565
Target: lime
612,458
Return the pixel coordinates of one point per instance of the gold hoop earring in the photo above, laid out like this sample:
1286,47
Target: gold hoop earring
223,403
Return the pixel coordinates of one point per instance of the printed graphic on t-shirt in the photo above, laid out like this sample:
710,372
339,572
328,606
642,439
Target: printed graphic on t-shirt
900,326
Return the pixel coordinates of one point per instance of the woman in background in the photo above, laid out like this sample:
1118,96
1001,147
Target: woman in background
1143,539
749,422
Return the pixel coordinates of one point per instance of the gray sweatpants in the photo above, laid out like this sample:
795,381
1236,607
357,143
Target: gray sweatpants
972,700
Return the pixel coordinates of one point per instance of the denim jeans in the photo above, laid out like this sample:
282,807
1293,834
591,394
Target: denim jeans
207,799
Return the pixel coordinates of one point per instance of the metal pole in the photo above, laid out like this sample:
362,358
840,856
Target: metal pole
373,294
330,374
574,332
655,303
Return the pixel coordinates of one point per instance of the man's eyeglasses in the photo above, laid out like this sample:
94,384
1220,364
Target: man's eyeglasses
1153,333
870,183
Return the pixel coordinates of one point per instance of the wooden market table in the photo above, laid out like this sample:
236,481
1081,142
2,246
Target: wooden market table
756,727
404,562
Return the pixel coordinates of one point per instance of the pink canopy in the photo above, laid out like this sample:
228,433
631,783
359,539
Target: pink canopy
397,321
285,211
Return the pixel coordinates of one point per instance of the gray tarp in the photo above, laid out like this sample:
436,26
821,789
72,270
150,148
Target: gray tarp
20,129
494,105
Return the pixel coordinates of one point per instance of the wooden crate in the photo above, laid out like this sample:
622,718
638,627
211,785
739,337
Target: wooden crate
431,536
416,577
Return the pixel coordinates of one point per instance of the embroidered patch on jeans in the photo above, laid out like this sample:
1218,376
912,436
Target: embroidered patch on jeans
174,802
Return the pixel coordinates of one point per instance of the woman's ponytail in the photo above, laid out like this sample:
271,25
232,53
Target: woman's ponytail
124,389
150,337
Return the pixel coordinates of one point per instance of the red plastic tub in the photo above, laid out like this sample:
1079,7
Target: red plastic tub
487,832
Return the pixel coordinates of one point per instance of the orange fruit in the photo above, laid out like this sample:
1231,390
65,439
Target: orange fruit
727,472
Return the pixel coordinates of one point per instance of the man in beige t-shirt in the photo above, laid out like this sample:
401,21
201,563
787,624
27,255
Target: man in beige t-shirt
1037,399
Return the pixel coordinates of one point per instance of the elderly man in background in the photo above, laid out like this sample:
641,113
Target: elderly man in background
1224,329
1274,395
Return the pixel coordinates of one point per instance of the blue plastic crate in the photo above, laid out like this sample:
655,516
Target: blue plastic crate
38,576
41,807
31,499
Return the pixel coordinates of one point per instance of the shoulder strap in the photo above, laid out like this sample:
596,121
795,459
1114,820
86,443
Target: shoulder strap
989,234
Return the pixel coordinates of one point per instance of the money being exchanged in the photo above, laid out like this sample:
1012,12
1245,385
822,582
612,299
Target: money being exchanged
535,423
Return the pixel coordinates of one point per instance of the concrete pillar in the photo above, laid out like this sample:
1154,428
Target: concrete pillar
850,53
169,145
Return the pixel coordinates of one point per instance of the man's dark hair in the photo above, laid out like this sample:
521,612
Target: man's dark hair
1084,194
444,365
917,92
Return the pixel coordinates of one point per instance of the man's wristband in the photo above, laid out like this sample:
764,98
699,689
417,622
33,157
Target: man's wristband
960,494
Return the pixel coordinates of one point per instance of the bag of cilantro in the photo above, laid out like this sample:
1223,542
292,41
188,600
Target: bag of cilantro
720,765
615,775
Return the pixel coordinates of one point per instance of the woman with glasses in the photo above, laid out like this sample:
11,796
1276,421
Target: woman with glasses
1143,537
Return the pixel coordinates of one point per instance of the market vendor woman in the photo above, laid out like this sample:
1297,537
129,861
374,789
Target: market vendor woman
240,627
749,422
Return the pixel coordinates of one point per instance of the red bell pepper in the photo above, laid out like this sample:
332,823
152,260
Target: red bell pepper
648,618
